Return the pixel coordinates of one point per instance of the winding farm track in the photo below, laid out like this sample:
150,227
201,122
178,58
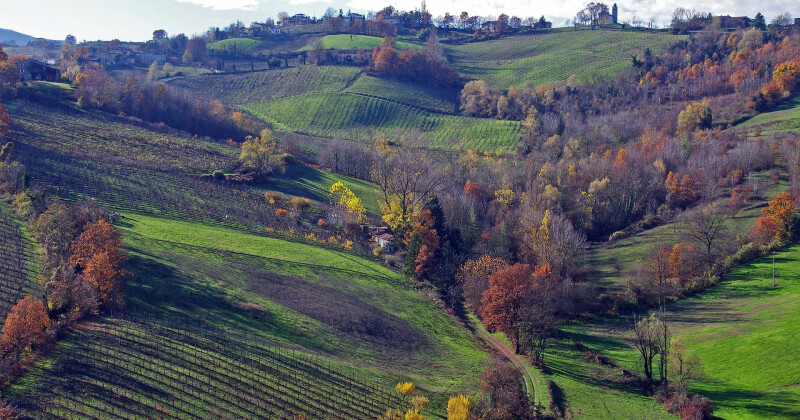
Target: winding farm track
502,348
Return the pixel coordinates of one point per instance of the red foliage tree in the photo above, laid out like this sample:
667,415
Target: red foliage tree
386,61
25,325
777,220
505,298
96,253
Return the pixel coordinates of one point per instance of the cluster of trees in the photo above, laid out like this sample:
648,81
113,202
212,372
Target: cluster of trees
503,23
428,67
502,398
779,222
652,337
593,14
82,272
685,20
154,102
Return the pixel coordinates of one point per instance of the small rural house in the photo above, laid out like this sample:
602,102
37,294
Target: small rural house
31,69
384,240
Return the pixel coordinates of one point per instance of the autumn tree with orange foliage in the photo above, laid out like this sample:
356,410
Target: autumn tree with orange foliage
473,276
505,298
780,220
24,326
97,256
6,411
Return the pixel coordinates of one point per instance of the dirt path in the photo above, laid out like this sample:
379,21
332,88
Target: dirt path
508,352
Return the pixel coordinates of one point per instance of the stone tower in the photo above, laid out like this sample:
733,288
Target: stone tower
614,13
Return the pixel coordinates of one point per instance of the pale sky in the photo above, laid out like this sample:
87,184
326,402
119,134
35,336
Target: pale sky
135,20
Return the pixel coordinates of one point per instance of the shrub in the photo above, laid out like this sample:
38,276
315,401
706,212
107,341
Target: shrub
272,197
219,175
287,158
617,235
405,388
281,212
378,251
300,202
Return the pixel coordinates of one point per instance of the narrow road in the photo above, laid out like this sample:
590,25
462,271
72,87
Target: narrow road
508,352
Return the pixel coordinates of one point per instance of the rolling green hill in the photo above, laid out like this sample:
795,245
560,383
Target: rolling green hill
193,283
741,330
357,117
233,44
360,42
205,271
537,59
131,167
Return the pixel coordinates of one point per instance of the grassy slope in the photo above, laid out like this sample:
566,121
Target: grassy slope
355,117
324,301
338,305
547,58
745,333
239,44
626,252
742,331
360,42
315,184
785,118
587,390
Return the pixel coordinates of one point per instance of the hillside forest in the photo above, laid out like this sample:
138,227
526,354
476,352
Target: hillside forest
401,216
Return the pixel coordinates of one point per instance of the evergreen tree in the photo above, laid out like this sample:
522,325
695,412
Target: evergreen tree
759,22
414,244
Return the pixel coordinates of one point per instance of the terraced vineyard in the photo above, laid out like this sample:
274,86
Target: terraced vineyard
361,42
538,59
129,368
81,155
434,99
17,279
260,86
357,117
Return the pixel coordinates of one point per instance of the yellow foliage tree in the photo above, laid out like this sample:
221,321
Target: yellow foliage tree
412,414
346,202
504,196
696,115
405,388
257,151
394,215
459,407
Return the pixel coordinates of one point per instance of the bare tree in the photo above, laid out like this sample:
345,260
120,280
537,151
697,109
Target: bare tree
406,179
682,366
646,338
707,227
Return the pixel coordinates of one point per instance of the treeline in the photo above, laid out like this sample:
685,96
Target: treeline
81,268
154,102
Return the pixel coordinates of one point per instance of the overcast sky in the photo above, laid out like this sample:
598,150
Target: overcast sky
135,20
